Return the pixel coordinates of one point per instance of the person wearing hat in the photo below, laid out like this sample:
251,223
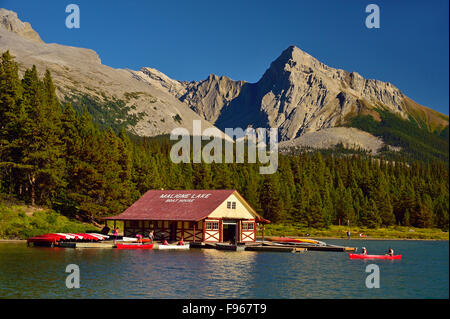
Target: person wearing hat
364,251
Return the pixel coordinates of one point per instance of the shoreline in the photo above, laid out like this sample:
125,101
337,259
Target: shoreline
353,238
367,238
294,237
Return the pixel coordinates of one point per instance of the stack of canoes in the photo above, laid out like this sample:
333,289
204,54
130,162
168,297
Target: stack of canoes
302,241
52,239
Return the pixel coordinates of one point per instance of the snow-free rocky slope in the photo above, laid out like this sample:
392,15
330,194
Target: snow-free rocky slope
78,71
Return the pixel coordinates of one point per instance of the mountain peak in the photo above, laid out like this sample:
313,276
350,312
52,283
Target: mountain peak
10,22
293,58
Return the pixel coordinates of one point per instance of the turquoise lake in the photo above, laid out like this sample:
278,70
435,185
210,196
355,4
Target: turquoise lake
110,273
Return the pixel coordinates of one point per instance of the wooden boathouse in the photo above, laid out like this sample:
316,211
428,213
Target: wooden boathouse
192,216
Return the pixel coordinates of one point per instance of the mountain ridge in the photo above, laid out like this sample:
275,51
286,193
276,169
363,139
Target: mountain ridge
78,73
297,94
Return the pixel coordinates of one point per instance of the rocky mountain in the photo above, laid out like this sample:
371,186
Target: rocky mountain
10,22
299,95
311,104
81,78
207,98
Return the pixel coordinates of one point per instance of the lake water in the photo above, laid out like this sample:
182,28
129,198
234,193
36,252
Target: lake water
206,273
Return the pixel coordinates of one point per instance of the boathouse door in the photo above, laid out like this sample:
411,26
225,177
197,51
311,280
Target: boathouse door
229,231
173,231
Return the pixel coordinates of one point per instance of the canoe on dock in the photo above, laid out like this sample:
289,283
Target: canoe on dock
311,247
134,246
295,240
55,239
43,240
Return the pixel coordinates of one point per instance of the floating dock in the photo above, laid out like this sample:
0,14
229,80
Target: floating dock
314,247
86,245
276,249
271,246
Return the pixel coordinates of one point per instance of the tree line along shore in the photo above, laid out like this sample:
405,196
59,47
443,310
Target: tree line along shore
56,157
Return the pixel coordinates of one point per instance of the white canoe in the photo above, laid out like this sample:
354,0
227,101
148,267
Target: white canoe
66,235
99,236
164,247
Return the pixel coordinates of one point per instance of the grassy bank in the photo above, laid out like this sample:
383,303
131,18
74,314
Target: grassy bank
21,221
393,232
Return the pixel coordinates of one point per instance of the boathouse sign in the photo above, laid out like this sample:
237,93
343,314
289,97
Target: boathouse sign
174,198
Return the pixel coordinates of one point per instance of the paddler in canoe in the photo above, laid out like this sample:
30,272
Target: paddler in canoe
390,252
364,251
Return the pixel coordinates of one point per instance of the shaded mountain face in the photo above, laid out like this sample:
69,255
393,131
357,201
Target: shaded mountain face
207,98
306,99
112,96
298,94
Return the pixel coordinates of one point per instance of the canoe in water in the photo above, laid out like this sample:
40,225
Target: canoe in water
361,256
134,246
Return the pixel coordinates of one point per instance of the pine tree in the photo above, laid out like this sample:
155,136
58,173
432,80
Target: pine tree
316,216
370,217
270,200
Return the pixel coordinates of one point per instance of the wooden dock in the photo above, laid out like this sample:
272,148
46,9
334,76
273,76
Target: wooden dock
276,249
257,246
329,248
221,246
313,247
248,247
87,245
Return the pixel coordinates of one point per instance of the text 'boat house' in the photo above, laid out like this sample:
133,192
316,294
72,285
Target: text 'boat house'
192,216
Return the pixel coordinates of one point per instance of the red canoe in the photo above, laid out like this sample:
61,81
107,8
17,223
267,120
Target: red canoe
43,239
88,237
134,246
360,256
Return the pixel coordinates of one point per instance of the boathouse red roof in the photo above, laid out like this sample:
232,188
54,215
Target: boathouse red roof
176,205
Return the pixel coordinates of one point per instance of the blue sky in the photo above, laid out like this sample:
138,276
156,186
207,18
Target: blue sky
188,40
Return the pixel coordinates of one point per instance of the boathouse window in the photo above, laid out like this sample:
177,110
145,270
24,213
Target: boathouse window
231,205
212,226
248,226
134,223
